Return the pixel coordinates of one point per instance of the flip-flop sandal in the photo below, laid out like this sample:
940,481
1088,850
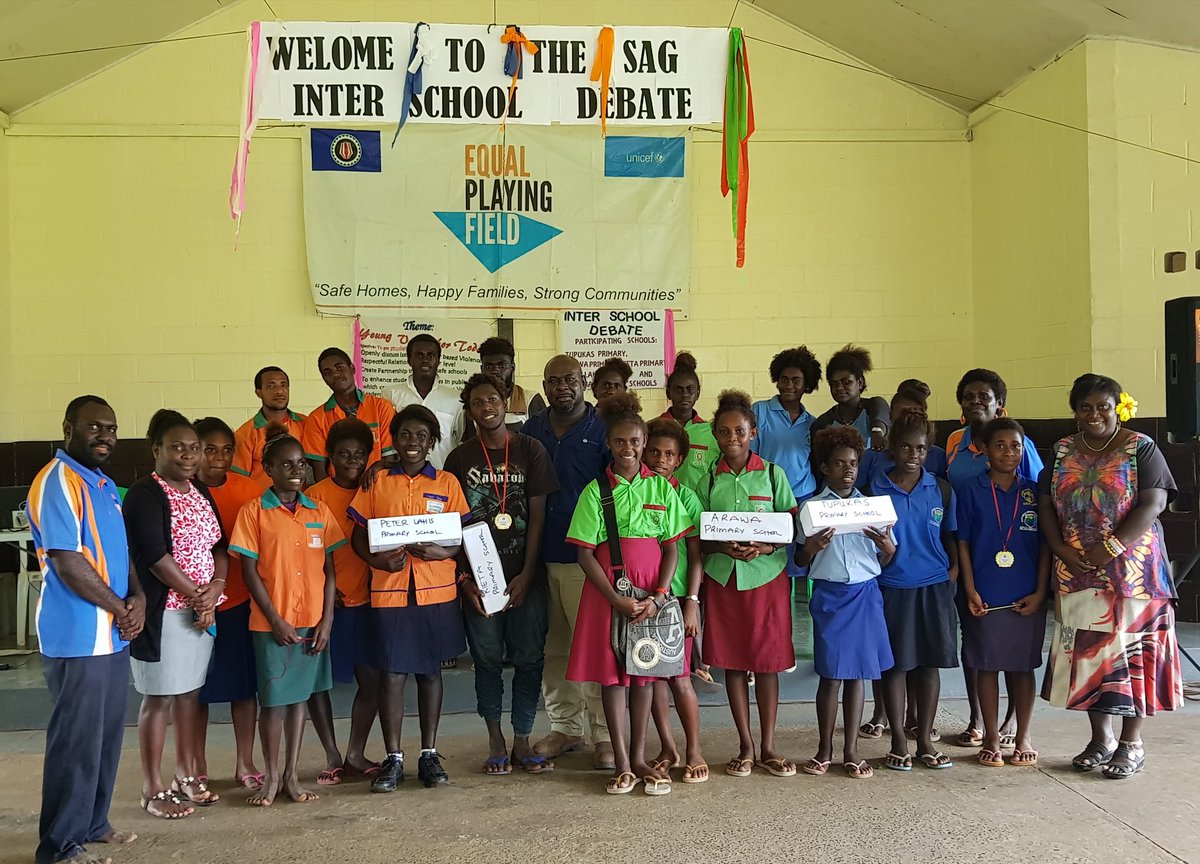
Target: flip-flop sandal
871,730
1030,759
614,786
1124,770
860,770
536,764
165,796
665,765
897,762
330,776
690,773
934,735
937,761
370,772
739,767
253,782
501,762
1093,756
970,737
816,767
1008,740
777,767
990,758
177,787
656,785
704,675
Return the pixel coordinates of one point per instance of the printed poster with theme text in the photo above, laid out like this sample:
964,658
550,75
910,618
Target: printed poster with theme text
479,221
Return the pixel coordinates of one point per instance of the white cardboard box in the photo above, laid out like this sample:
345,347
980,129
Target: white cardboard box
393,532
486,566
846,515
748,527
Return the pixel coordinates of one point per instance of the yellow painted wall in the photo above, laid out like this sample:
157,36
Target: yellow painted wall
8,429
1030,243
1143,205
120,237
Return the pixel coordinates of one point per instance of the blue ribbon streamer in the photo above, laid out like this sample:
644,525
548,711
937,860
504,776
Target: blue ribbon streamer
413,82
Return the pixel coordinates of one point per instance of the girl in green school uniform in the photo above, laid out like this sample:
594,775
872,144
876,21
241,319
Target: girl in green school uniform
746,589
683,390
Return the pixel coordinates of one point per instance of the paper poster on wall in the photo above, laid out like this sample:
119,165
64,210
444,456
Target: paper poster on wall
340,72
381,359
640,337
476,222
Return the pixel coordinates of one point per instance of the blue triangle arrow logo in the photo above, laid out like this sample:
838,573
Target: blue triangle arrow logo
498,237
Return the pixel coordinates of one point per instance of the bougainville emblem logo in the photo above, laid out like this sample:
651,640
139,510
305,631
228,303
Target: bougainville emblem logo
346,150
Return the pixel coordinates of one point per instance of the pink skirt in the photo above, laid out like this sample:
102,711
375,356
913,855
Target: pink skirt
748,631
592,658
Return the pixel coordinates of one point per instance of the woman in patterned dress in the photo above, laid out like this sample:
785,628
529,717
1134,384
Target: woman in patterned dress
1114,652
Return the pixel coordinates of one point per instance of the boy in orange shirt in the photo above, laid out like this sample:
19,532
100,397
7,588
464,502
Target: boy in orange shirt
337,371
273,388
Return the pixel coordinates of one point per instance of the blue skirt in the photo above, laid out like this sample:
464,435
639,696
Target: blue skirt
850,637
231,672
350,641
414,640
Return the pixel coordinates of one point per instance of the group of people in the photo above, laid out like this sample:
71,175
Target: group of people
241,571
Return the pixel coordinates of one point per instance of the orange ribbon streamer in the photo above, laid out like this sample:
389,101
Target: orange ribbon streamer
602,71
735,137
515,40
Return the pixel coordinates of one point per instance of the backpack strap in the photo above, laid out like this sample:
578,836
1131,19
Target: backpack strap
609,508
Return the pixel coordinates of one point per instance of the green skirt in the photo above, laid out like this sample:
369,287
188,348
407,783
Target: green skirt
287,675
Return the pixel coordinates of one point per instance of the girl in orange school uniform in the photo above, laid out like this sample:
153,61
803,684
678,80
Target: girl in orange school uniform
348,445
231,676
416,615
651,520
286,541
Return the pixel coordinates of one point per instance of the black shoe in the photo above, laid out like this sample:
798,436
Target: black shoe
391,774
430,770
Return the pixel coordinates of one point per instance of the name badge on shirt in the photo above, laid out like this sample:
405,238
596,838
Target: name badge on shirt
435,503
316,541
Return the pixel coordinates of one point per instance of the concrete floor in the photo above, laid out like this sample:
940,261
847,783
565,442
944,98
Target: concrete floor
966,814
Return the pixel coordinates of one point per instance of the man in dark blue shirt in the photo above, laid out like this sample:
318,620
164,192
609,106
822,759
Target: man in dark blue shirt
574,436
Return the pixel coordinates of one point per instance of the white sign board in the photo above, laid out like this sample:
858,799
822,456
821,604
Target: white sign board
846,515
353,73
486,566
639,337
747,527
380,349
392,532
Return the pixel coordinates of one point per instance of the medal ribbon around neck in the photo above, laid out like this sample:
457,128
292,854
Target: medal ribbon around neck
502,521
1004,557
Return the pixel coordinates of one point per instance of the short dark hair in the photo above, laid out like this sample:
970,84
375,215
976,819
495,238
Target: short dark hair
72,413
163,421
349,429
911,394
418,339
833,438
912,423
497,345
914,384
853,359
1000,424
274,442
477,380
621,408
208,426
800,358
737,401
668,427
333,351
618,365
1090,383
258,376
982,376
419,413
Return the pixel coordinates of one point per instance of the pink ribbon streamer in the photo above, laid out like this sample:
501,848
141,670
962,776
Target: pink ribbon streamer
669,341
358,373
251,93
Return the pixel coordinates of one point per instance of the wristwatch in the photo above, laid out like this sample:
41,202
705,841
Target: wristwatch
695,598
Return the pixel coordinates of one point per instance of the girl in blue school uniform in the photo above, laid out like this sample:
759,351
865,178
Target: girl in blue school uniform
918,588
850,642
785,426
1005,567
846,374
